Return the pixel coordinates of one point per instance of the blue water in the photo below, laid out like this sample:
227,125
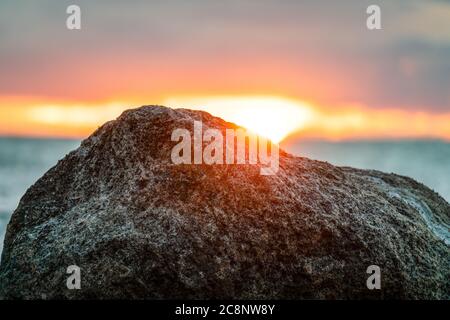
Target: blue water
23,161
426,161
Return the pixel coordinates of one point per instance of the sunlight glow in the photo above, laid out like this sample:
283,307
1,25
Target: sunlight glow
278,118
272,117
75,115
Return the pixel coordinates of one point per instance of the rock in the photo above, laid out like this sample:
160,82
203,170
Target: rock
139,226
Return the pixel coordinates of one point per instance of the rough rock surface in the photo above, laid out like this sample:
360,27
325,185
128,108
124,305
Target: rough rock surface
139,226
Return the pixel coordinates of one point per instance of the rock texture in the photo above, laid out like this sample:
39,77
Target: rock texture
139,226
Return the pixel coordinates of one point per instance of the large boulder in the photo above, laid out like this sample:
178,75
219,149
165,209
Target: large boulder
139,226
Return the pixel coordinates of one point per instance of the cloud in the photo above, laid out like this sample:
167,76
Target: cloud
313,50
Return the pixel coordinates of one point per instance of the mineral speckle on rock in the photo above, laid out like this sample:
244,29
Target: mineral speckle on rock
139,226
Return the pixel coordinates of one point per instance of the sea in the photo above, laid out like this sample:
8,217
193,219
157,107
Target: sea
23,161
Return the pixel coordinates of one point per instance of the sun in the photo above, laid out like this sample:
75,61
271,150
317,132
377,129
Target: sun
268,116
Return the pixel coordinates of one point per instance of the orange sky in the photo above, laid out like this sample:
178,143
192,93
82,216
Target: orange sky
274,116
307,69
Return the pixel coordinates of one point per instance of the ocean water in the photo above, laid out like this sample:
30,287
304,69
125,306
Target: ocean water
23,161
426,161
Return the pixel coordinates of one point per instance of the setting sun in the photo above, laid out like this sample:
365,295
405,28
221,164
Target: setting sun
272,117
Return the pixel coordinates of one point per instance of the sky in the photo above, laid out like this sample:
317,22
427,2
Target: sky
347,81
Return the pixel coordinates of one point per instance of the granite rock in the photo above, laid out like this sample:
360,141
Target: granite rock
141,227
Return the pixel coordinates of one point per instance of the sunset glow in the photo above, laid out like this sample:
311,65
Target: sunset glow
272,117
247,151
278,70
278,118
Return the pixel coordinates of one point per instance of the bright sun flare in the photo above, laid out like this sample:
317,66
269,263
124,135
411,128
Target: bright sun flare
272,117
